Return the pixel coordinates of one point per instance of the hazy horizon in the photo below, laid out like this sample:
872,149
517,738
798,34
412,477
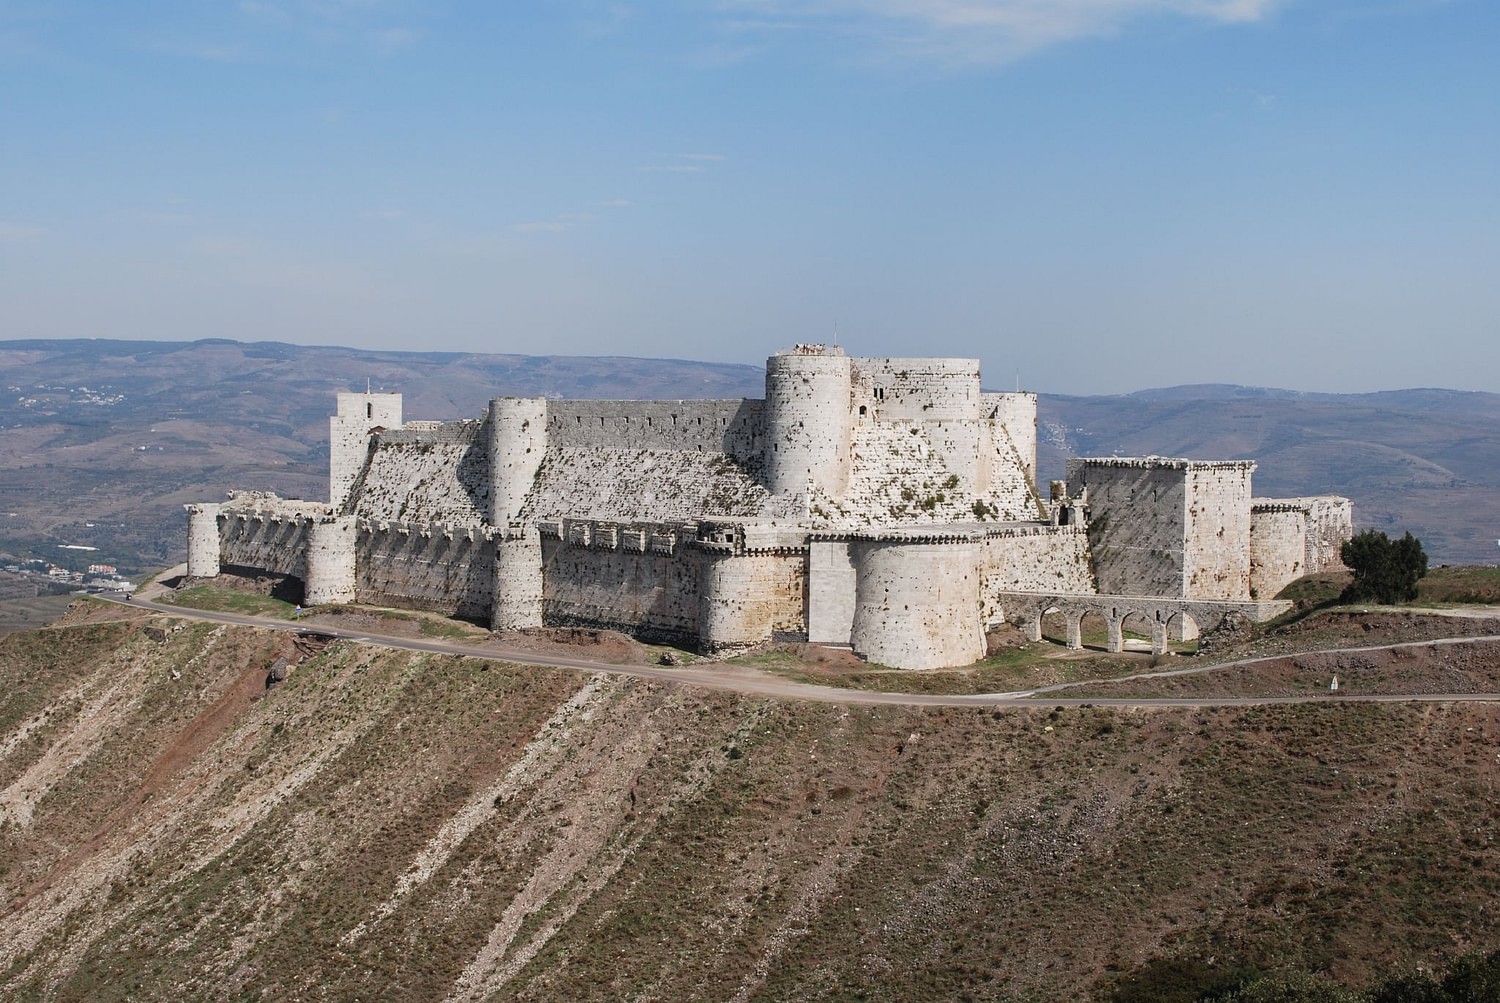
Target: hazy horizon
1089,197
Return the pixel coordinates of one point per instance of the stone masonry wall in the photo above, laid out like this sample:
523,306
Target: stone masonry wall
919,389
646,484
901,474
916,603
1330,524
267,543
349,435
731,427
651,594
1137,522
1014,415
1216,542
422,567
437,473
750,598
1034,559
1278,548
1292,537
830,592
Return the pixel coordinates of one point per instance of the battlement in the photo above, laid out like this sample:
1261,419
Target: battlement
885,502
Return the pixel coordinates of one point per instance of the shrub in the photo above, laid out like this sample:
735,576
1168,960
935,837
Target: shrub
1385,570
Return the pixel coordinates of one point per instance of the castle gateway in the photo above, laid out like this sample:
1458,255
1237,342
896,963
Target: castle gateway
884,503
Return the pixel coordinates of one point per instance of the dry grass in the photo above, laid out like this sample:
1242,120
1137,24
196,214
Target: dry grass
622,838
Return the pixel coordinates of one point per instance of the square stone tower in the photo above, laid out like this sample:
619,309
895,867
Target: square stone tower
349,430
1167,527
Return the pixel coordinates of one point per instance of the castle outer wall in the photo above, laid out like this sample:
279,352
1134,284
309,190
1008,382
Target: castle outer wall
884,503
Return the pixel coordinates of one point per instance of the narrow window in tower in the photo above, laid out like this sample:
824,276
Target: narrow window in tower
369,410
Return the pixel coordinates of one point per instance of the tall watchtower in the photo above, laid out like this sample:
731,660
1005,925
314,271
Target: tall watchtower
349,429
807,420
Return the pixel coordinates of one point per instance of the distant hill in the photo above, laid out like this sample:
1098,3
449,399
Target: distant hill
102,441
1424,460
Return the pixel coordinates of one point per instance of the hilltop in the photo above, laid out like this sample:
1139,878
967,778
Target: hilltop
394,825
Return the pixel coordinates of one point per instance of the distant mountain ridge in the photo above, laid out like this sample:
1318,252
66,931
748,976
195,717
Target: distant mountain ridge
118,434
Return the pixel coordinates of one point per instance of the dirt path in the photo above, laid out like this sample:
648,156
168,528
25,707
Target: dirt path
753,682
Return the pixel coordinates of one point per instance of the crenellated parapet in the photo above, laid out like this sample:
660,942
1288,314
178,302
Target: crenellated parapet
887,503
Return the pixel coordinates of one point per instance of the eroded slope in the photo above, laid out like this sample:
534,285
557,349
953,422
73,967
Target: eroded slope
390,825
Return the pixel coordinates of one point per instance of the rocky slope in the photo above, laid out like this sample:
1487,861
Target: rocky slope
395,826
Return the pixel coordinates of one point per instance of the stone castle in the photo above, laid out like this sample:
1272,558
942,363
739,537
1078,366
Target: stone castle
887,504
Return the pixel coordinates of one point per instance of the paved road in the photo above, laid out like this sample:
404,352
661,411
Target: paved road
749,681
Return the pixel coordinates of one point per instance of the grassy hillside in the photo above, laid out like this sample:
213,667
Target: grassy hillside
395,826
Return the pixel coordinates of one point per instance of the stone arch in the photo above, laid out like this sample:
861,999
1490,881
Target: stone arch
1138,625
1035,628
1096,624
1182,626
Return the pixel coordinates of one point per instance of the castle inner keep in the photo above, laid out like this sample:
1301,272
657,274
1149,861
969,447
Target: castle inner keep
887,504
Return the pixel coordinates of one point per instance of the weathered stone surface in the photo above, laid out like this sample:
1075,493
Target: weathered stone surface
886,503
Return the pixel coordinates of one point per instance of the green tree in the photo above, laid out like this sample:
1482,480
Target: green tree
1385,570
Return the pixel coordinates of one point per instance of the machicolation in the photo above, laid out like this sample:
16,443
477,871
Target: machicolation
888,504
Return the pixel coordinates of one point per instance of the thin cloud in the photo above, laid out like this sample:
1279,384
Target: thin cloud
558,224
684,163
979,31
20,231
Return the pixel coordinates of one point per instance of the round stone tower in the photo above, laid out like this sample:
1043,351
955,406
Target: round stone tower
807,420
916,603
330,561
518,581
517,443
203,540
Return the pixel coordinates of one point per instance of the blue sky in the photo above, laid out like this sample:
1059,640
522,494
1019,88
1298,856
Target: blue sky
1090,195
